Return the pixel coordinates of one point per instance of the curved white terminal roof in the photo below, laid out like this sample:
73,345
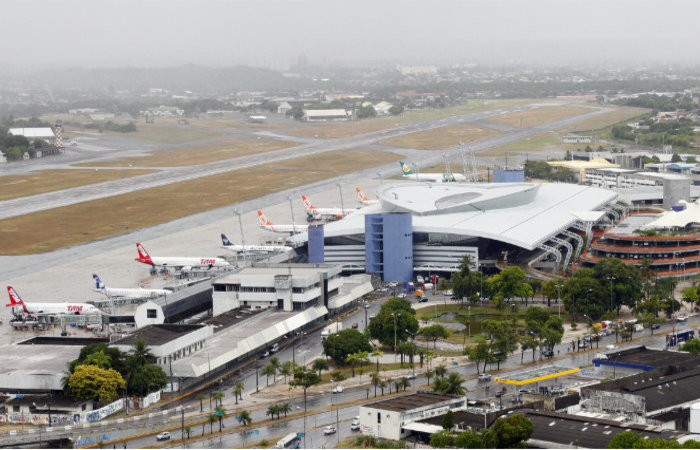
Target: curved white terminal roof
677,219
522,214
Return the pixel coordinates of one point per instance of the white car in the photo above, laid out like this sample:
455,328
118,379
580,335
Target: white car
164,436
402,295
681,318
329,430
338,389
355,425
484,377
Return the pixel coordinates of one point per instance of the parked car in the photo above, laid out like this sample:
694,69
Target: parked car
164,436
484,376
329,430
355,424
681,318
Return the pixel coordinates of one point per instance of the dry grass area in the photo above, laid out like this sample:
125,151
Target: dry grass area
15,186
441,138
231,148
84,222
344,129
596,123
539,116
232,123
166,133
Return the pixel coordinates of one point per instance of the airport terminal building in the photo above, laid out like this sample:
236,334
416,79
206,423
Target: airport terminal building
425,227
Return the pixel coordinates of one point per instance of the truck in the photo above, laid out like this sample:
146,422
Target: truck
330,329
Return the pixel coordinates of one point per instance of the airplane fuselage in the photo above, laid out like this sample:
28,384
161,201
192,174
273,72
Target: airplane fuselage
133,292
257,248
177,262
435,177
60,308
286,228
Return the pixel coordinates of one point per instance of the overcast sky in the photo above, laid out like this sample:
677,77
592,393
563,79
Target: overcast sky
149,33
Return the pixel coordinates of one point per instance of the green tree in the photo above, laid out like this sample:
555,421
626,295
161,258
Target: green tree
441,440
429,373
676,158
237,392
440,371
92,382
626,439
319,365
284,409
145,378
405,383
477,354
244,418
99,359
512,431
382,326
220,415
469,439
691,346
434,332
286,369
272,410
337,376
528,343
269,370
449,385
339,345
305,378
508,284
376,353
550,291
219,398
201,398
448,420
375,379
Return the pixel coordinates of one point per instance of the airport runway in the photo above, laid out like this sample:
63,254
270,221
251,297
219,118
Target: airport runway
169,175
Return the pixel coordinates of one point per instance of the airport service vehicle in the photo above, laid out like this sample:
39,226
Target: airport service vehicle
164,436
330,329
324,213
434,177
239,248
50,308
364,199
127,292
280,228
329,430
292,440
183,263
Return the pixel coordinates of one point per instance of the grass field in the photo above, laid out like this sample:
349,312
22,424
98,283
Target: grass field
441,138
84,222
166,133
231,148
238,124
344,129
534,117
15,186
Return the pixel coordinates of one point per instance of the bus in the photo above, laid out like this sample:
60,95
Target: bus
289,441
679,336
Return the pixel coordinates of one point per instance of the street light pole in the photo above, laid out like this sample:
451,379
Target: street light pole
342,204
291,207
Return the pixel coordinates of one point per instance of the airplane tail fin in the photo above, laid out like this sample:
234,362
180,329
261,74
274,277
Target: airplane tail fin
361,195
15,299
263,219
144,257
307,203
405,169
98,283
225,241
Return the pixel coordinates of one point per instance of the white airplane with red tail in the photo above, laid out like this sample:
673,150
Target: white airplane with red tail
57,308
283,228
320,213
364,199
183,263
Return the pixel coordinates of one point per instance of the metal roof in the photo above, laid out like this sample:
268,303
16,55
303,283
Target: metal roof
677,219
522,214
30,133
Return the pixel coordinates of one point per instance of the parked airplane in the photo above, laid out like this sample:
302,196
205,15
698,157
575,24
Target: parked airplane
50,308
277,228
364,199
183,263
321,213
434,177
238,248
127,292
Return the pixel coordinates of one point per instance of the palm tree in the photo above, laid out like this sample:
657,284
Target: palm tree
188,430
140,353
375,380
429,373
244,418
272,410
211,419
397,385
238,391
450,385
284,408
99,359
286,369
320,365
405,383
352,358
382,386
440,371
367,391
378,354
267,371
201,398
220,415
275,361
389,382
218,398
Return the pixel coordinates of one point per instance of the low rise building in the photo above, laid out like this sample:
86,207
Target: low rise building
387,418
168,342
326,115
